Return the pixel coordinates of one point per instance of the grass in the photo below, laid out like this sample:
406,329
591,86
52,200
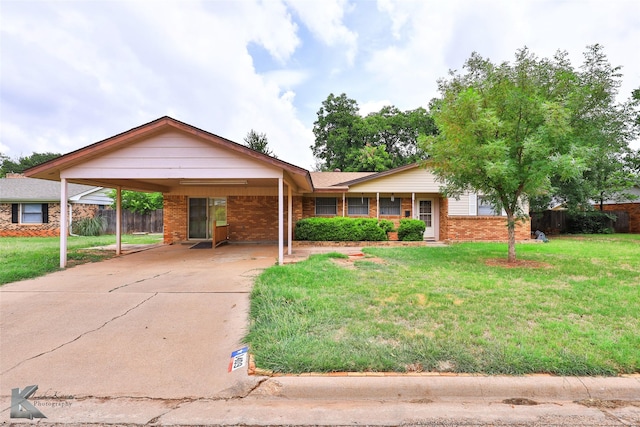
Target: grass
28,257
574,312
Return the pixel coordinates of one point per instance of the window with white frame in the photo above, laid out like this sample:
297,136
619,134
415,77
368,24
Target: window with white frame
485,208
358,206
326,206
389,206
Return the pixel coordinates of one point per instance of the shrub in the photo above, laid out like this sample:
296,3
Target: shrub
90,226
386,225
590,222
341,229
411,230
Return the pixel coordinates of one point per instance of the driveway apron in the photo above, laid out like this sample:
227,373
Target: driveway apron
160,323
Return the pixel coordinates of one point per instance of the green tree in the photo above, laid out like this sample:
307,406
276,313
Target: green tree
381,140
398,132
258,142
603,128
337,132
504,131
138,202
23,163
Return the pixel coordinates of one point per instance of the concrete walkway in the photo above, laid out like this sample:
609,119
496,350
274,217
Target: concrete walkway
146,338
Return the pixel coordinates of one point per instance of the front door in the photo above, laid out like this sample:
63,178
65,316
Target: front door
425,214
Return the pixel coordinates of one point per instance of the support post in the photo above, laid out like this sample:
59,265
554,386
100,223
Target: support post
280,222
64,225
378,206
413,206
290,216
118,220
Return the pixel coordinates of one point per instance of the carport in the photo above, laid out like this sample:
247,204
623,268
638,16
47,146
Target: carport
185,163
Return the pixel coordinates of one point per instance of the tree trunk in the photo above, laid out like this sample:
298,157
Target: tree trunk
511,226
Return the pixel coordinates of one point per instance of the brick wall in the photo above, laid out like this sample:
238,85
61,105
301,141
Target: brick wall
175,218
483,228
50,229
633,209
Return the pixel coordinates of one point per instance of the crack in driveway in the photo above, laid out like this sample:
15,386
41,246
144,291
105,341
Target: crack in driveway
81,335
140,281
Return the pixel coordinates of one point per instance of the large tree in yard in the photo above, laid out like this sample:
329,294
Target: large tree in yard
379,141
603,127
505,131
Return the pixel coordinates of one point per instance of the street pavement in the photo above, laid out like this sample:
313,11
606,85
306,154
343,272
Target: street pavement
146,339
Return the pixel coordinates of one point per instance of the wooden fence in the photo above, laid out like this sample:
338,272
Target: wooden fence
134,222
555,222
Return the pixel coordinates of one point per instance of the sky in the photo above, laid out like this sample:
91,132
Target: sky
73,73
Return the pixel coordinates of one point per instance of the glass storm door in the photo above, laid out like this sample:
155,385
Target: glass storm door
198,218
425,214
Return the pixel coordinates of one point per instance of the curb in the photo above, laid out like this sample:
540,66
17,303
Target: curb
442,388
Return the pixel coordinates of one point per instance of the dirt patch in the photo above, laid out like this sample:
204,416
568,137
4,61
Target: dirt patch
350,261
519,263
608,404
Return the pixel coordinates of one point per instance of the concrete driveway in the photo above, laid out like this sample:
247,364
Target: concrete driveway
161,323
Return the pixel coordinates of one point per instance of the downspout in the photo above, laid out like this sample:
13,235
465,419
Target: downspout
71,221
378,206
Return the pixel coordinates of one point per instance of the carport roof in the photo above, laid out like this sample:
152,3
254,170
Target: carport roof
52,169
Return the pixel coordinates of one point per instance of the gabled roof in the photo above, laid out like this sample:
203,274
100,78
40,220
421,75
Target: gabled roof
335,180
25,190
377,175
341,181
51,170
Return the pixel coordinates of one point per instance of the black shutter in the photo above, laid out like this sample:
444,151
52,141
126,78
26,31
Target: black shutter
45,213
14,213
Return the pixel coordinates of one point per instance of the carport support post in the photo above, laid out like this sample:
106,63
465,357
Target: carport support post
118,220
280,222
290,215
64,225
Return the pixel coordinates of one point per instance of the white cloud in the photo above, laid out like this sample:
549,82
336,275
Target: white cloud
372,106
325,20
76,72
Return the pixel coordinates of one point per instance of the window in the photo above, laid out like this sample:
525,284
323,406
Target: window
358,206
219,210
485,208
30,213
326,206
389,207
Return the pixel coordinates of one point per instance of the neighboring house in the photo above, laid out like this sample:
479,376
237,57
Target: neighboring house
631,206
205,177
31,207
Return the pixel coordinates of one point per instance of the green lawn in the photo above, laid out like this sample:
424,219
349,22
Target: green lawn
573,310
28,257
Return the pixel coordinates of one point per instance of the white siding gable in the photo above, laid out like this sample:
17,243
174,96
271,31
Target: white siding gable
172,155
415,180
